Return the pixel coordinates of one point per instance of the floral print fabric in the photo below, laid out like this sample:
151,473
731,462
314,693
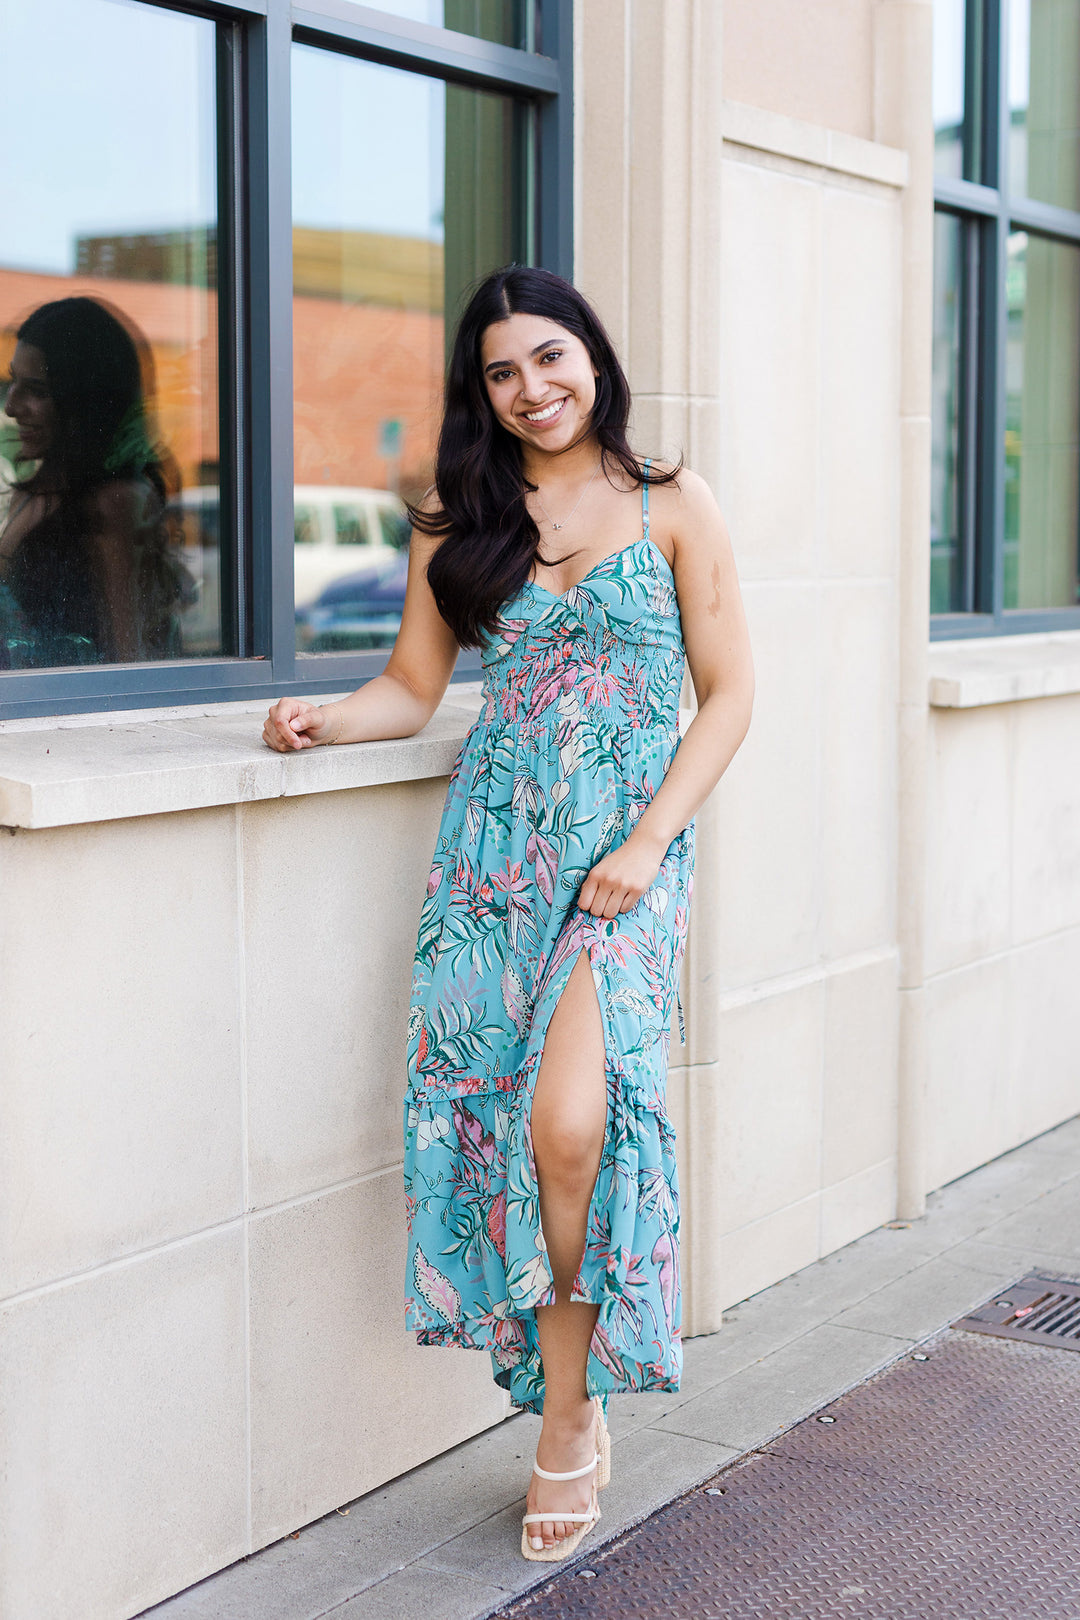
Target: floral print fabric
578,728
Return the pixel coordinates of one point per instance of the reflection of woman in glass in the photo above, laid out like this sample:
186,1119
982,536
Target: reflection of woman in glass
540,1173
86,575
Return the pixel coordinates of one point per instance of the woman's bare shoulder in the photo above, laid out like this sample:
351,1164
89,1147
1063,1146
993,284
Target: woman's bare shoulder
684,503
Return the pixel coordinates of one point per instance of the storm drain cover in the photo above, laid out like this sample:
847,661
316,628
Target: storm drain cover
1039,1309
946,1487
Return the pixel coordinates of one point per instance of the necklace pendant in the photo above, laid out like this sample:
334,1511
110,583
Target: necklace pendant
556,525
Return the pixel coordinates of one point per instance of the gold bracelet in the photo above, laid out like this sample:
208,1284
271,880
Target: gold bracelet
341,726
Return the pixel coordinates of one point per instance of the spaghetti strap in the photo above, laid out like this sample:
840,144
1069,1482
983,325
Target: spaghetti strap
645,503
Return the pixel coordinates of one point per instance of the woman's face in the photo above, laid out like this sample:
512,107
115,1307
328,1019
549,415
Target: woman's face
540,381
29,402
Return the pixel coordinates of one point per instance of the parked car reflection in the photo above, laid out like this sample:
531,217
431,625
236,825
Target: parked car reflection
361,610
338,531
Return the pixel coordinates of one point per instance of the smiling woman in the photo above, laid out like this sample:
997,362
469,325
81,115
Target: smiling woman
540,1173
534,388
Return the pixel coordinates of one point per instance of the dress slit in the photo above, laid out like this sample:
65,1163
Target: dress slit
576,1295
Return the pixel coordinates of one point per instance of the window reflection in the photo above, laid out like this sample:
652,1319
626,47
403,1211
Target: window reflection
1042,416
504,22
87,572
948,87
1044,100
380,250
945,550
110,513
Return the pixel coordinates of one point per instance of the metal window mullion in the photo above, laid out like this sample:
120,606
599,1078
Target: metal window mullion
437,52
995,320
970,305
1045,218
965,196
231,330
271,392
556,145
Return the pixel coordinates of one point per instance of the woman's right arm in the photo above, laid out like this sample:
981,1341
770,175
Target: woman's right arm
397,703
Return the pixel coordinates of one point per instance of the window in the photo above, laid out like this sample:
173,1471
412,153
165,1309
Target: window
1005,491
380,253
234,247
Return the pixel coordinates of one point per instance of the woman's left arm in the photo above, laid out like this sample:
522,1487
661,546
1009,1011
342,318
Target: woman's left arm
718,654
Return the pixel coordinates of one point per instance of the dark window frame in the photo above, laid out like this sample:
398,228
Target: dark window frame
256,361
988,213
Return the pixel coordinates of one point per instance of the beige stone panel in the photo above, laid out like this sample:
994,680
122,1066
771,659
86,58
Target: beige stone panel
342,1398
703,1169
660,427
971,1106
333,886
1046,1049
759,1254
857,1204
912,749
770,273
120,1110
810,59
859,1108
705,177
704,454
601,109
912,1179
968,835
914,559
659,238
1046,818
860,392
764,1136
903,117
857,852
761,910
122,1429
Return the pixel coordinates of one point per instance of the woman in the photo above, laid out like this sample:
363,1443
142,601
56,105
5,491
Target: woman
85,568
540,1164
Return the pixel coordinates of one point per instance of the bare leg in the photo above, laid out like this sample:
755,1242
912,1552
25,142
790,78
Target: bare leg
569,1117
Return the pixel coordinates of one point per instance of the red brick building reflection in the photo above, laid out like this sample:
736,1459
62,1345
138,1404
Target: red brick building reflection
367,361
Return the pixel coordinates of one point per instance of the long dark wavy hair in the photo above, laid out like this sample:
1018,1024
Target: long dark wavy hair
489,540
98,370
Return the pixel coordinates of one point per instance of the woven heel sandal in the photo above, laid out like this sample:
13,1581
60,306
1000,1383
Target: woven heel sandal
584,1521
603,1446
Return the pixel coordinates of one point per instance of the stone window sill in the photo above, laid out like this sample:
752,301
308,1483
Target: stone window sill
85,768
1003,669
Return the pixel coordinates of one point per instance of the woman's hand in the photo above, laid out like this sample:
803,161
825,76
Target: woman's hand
619,880
292,723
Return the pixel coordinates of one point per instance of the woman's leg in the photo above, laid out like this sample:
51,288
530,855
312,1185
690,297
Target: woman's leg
569,1118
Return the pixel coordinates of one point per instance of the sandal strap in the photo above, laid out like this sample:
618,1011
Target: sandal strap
575,1473
560,1518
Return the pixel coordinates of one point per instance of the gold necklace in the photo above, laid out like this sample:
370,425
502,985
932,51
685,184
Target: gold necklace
577,503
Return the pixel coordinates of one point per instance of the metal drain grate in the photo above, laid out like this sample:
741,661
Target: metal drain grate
1038,1309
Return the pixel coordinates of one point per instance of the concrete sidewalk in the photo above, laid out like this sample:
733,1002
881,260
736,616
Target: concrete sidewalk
442,1543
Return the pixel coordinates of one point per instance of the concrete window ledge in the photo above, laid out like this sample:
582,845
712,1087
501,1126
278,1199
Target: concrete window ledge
84,768
1003,669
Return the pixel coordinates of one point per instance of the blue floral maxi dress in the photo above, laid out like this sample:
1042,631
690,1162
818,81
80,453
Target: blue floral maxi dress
578,728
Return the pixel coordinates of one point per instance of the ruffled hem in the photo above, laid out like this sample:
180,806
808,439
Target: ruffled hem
523,1379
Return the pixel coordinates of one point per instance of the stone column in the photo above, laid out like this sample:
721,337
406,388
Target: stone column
903,66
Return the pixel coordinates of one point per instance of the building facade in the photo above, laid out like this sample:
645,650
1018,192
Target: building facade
835,244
